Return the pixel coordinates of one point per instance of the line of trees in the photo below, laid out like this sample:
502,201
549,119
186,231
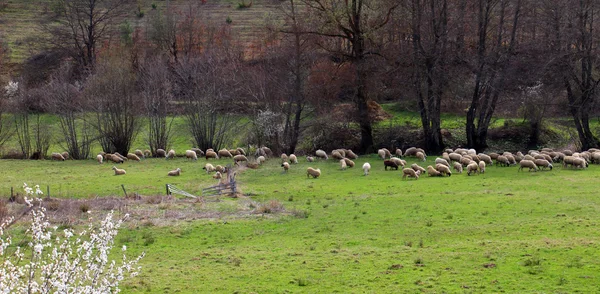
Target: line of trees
477,55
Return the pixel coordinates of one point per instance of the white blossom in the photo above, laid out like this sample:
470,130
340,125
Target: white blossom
77,263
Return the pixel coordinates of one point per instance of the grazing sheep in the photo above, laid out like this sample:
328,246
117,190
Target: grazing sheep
472,168
261,159
233,152
445,170
191,154
114,158
528,157
139,153
342,152
132,156
336,155
293,159
225,153
387,152
267,151
494,156
239,158
285,166
366,168
595,157
471,152
284,157
351,154
147,153
217,176
343,164
252,165
442,161
567,152
174,173
542,163
465,161
310,159
99,158
529,164
446,156
120,156
381,154
199,152
209,168
485,158
398,161
421,156
458,167
481,167
398,152
433,172
411,151
579,163
411,173
241,151
211,154
311,172
390,163
220,168
161,153
455,157
170,154
118,171
418,168
349,162
65,155
511,159
502,160
58,156
321,154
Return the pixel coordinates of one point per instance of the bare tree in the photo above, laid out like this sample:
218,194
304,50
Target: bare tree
430,50
156,94
79,26
67,103
352,25
491,67
33,134
113,97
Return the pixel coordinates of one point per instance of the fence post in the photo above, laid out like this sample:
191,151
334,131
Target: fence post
48,191
12,195
123,186
167,189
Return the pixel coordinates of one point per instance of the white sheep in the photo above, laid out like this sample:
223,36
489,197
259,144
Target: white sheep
442,161
482,167
343,164
239,158
217,175
132,156
286,166
310,159
502,160
321,154
120,156
543,163
147,153
398,161
418,168
445,170
381,154
315,173
209,168
398,152
284,157
472,168
349,162
114,158
458,167
58,156
199,152
225,153
175,172
366,168
528,164
261,159
335,154
241,151
293,159
170,154
139,153
411,173
351,154
65,155
99,158
161,153
411,151
191,154
433,172
486,158
220,168
211,154
387,152
421,156
455,156
118,171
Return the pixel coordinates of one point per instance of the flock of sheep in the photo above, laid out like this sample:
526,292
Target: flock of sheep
458,160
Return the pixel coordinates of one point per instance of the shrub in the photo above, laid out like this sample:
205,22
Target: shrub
272,206
67,262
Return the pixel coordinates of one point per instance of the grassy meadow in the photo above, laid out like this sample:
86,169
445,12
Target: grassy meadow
503,231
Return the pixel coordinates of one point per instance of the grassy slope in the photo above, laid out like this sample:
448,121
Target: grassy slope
536,232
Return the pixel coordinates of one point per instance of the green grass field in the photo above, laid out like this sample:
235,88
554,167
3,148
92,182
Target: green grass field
503,231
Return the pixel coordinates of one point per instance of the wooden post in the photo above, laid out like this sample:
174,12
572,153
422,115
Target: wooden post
12,195
123,186
168,191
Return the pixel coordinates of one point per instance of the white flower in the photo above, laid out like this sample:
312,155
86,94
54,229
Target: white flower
38,248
